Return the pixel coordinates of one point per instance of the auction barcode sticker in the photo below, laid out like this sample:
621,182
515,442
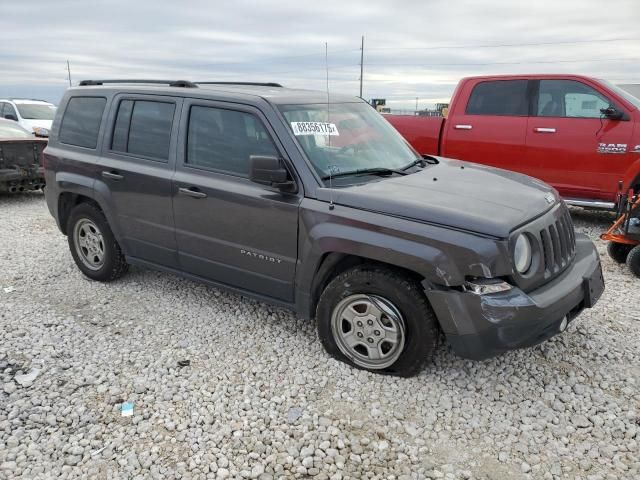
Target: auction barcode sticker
314,128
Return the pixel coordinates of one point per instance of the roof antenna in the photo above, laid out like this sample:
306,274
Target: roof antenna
326,64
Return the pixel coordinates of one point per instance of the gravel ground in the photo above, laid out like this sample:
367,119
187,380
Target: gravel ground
228,387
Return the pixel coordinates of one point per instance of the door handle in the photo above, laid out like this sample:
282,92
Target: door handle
191,192
112,175
463,127
544,130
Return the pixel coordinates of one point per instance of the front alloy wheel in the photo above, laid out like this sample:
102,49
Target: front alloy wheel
369,330
377,318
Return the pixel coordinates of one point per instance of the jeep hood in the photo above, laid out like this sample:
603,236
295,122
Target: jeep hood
453,193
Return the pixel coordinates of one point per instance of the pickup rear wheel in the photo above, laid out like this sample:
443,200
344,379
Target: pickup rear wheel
377,319
92,244
618,251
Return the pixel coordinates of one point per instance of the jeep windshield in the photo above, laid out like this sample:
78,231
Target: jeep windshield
349,141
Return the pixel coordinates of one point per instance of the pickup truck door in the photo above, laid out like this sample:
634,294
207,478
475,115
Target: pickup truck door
491,127
581,154
230,230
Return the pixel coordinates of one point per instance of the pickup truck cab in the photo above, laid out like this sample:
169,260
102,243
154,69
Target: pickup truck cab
319,207
579,134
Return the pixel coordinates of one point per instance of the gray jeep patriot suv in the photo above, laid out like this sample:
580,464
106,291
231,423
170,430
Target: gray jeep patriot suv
318,206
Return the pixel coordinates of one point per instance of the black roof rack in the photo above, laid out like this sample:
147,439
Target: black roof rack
255,84
171,83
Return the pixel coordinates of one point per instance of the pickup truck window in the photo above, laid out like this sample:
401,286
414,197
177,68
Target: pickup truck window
569,98
347,137
223,140
144,128
500,97
81,121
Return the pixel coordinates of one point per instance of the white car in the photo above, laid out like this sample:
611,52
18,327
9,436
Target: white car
33,115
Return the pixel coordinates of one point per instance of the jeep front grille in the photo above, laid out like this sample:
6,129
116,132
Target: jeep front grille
558,242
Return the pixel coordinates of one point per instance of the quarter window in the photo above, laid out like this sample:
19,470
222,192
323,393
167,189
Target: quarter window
81,121
569,98
223,140
501,97
9,110
143,128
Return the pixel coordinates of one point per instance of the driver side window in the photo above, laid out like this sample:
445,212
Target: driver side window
570,99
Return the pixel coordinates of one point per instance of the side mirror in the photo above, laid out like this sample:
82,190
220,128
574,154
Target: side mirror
11,116
612,113
268,170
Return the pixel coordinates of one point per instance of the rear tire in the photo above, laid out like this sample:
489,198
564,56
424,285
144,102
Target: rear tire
93,246
377,319
633,260
618,251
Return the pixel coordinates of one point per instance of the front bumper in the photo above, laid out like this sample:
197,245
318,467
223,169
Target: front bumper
481,326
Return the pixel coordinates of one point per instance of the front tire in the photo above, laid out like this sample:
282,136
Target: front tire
618,251
377,319
93,246
633,260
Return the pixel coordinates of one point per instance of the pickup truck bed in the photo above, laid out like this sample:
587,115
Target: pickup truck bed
423,133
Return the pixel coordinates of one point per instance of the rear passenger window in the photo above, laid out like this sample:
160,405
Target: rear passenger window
502,97
224,140
81,121
143,128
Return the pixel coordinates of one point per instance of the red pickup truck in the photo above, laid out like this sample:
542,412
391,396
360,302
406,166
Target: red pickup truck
579,134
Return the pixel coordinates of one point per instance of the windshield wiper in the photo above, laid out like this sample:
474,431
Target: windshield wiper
366,171
423,162
417,161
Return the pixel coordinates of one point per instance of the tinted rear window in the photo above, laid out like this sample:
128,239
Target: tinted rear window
502,97
144,128
81,122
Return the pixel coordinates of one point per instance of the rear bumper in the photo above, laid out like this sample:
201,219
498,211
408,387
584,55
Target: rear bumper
12,179
481,326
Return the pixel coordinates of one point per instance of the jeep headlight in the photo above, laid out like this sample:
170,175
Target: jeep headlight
522,253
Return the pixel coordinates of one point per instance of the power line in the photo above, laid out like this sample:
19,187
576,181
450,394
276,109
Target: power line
501,63
425,64
500,45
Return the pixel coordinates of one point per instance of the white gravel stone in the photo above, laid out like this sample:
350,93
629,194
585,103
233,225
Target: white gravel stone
259,398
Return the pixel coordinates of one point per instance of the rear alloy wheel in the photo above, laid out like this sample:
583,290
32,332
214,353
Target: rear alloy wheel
89,244
633,260
618,251
377,319
92,244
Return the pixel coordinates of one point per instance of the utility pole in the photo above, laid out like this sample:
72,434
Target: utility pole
69,72
416,104
361,64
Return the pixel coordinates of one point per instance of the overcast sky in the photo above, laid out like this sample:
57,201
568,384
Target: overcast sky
412,48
